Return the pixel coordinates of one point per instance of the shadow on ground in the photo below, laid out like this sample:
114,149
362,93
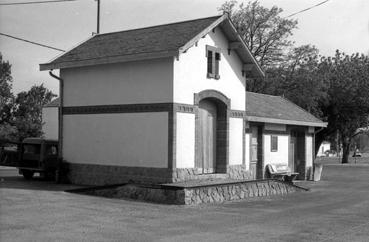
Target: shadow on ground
9,178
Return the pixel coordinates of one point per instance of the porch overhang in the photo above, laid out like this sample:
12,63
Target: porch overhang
286,121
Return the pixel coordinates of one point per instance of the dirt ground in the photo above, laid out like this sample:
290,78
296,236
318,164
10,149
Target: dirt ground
336,209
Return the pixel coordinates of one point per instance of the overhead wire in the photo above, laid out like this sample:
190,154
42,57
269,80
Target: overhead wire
306,9
35,2
32,42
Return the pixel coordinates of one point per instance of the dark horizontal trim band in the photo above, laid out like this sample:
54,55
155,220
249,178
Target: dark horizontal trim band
271,132
119,108
141,108
184,108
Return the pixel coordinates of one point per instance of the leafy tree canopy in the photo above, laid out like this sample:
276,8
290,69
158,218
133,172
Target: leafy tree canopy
20,115
347,103
28,112
6,96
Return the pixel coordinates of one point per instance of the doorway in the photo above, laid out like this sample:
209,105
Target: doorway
297,154
208,136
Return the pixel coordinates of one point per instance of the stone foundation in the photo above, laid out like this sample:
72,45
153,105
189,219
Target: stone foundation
236,191
203,193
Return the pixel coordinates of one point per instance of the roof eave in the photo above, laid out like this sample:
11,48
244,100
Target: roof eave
257,70
286,121
202,34
108,60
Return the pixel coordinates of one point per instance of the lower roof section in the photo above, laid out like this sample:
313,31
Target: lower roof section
285,121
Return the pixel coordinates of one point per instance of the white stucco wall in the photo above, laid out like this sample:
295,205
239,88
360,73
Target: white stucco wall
50,122
235,141
147,81
309,150
191,69
247,151
127,139
277,157
185,140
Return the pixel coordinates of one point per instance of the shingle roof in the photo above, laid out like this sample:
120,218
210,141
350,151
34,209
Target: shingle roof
151,42
162,38
276,107
53,103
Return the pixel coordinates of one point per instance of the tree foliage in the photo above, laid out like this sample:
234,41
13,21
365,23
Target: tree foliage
332,88
28,111
20,115
296,79
6,96
347,103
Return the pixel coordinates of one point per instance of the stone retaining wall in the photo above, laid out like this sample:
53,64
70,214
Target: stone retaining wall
237,191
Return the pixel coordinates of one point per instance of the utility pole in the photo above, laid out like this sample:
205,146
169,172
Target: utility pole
98,16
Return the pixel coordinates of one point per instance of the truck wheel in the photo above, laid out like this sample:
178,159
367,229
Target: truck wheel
27,174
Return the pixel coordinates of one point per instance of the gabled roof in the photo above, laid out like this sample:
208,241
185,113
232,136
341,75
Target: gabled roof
53,103
276,109
149,43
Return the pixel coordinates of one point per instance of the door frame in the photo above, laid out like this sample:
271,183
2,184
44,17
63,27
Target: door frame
208,136
299,134
223,105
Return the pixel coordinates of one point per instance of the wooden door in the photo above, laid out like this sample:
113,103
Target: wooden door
291,152
208,123
254,151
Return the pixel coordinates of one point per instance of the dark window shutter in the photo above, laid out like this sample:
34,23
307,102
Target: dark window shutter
274,143
210,62
216,65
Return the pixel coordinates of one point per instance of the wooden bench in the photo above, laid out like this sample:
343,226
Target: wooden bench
281,172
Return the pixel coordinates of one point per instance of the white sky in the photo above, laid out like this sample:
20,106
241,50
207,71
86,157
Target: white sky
337,24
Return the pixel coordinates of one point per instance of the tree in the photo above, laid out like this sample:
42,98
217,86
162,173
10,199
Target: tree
20,116
347,103
296,79
28,112
6,96
264,30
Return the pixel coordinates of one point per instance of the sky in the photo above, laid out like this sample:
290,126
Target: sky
337,24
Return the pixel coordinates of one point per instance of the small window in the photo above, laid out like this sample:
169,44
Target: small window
31,149
51,150
213,57
274,143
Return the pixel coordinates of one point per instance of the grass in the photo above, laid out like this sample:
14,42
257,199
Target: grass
337,160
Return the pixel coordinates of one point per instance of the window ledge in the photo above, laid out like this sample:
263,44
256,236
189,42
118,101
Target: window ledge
210,75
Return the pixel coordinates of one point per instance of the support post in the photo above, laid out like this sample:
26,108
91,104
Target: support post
98,16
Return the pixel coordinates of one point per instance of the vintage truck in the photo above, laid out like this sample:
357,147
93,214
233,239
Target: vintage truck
33,155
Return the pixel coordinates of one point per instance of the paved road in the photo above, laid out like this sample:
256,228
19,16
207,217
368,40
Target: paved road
337,209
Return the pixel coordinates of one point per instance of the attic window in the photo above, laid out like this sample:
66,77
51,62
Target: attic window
213,57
